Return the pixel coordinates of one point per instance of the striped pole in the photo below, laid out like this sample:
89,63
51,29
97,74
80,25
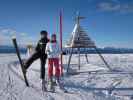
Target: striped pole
61,57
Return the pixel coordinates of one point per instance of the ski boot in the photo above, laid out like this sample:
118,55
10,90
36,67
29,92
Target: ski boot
52,89
54,81
60,84
43,85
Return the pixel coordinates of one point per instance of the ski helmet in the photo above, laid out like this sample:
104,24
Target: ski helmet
43,32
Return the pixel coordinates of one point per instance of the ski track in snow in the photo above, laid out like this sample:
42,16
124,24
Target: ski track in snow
12,86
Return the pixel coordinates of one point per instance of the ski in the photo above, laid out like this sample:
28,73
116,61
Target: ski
52,87
20,60
43,86
62,88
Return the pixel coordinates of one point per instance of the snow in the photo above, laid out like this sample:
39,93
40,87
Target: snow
85,84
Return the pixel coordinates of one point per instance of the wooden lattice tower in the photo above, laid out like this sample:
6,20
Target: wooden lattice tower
80,39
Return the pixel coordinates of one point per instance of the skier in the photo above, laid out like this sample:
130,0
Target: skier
53,51
39,54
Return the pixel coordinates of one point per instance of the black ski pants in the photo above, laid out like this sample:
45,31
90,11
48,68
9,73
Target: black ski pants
35,56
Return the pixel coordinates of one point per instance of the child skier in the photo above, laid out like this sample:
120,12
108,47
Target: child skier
53,51
39,54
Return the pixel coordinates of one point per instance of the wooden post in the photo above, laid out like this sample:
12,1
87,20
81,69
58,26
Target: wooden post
79,58
86,58
69,60
107,65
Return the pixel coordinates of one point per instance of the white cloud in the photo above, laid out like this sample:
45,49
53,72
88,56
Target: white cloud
23,34
4,40
115,6
5,36
25,39
106,6
7,33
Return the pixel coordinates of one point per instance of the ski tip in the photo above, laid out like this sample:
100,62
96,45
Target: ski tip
13,37
66,91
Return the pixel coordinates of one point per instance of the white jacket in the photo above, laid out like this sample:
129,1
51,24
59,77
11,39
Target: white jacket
53,50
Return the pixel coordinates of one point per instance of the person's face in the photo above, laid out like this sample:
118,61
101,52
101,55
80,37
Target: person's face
43,35
53,38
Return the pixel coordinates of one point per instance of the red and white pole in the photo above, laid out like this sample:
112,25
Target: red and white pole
61,57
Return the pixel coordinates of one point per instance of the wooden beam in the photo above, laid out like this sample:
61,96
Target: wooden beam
69,60
107,65
79,58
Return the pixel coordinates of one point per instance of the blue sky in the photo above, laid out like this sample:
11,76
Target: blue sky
108,22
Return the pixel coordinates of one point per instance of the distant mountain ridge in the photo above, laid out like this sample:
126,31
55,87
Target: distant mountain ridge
111,50
105,50
10,49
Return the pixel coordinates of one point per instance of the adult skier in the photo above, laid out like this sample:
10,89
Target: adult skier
39,54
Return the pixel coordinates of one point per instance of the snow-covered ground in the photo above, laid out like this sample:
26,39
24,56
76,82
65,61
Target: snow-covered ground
92,82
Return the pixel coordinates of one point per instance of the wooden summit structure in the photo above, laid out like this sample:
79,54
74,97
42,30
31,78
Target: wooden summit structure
80,39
